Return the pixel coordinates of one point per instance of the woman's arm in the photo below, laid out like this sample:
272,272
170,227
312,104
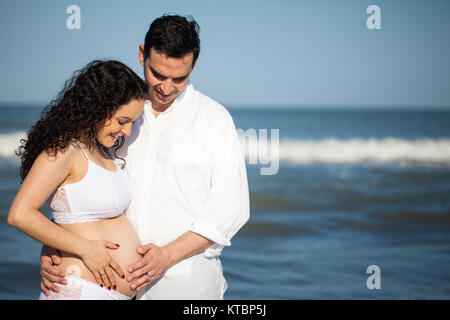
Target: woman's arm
46,174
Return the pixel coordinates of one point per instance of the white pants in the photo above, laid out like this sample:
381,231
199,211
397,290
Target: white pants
80,289
195,278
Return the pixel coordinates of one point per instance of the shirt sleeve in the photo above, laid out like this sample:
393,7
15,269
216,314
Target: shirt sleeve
227,207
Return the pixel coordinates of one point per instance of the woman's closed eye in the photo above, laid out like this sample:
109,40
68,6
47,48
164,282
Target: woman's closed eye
123,122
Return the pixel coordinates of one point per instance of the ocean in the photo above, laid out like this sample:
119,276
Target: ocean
356,205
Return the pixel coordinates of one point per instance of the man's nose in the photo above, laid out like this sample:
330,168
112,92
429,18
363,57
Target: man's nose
166,86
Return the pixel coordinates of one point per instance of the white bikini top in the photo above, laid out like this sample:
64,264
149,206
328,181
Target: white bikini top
101,194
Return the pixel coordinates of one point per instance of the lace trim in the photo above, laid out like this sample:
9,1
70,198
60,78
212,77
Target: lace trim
87,285
73,217
60,202
72,291
76,287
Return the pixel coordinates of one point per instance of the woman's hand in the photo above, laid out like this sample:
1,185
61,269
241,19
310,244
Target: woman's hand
99,262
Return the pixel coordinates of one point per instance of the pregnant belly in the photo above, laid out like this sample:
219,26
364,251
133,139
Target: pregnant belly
117,230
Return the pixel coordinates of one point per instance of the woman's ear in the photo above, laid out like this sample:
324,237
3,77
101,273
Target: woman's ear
104,123
107,122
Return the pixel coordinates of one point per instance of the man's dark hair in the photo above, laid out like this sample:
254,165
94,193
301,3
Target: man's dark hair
174,36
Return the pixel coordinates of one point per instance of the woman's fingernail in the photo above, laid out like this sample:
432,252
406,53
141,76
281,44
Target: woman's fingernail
101,285
114,287
109,288
117,245
123,276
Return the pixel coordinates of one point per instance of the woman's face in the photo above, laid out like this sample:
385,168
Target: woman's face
120,123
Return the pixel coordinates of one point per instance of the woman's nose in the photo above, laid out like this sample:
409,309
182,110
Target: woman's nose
127,129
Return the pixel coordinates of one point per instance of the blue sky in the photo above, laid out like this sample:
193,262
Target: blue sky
254,53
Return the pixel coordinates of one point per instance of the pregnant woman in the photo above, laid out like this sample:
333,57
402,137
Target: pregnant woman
65,161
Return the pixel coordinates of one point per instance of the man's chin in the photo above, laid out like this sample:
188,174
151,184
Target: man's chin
163,102
159,104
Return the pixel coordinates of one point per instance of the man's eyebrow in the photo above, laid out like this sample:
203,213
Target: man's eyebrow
158,75
182,77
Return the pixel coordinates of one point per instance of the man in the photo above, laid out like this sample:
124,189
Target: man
184,160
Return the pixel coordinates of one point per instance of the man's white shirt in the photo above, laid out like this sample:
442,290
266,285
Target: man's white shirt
187,172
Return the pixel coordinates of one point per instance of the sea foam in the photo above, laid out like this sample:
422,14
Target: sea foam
352,151
10,142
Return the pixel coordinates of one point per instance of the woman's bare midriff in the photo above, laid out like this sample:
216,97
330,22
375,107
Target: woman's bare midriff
117,230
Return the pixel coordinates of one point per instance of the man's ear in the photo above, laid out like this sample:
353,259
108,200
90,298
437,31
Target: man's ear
141,54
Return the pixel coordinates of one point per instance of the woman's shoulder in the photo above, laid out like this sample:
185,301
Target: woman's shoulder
67,156
56,166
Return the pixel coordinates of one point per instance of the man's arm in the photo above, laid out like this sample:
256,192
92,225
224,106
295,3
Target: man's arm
222,214
187,245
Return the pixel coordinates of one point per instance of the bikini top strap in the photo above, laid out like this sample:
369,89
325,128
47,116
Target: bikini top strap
83,151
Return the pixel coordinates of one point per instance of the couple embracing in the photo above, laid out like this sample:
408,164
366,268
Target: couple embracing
146,180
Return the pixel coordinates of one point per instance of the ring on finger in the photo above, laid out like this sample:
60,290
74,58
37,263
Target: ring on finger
149,277
102,274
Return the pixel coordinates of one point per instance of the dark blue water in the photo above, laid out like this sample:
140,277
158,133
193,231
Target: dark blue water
318,124
316,225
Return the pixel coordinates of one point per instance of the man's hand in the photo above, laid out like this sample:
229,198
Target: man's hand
155,262
50,274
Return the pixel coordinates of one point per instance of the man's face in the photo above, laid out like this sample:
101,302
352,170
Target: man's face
166,76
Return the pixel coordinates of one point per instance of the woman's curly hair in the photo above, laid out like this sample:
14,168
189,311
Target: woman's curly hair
90,96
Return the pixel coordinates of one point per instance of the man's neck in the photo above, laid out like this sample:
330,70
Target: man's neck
159,108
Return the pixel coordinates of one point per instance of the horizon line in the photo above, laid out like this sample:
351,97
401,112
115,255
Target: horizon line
266,106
